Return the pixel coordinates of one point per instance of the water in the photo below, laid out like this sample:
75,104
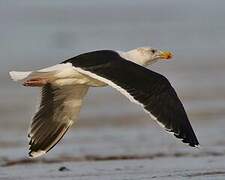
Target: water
35,34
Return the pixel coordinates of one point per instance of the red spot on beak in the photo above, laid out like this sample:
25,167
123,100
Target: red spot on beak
166,55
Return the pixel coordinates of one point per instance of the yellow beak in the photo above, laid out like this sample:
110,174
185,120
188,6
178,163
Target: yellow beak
166,55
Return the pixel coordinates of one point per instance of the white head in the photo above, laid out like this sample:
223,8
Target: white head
146,55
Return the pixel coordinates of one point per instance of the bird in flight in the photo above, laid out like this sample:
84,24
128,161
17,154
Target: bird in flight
65,85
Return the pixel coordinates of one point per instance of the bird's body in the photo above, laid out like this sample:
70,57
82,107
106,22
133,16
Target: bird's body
70,76
64,86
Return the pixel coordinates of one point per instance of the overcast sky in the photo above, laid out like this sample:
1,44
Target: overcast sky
37,33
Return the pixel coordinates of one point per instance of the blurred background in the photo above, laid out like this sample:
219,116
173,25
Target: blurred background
35,34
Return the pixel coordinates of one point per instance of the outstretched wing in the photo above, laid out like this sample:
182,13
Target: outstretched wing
142,86
56,114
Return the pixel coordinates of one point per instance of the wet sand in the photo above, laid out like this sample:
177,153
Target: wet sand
127,152
159,168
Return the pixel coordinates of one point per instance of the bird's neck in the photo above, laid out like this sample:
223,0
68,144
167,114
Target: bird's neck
135,57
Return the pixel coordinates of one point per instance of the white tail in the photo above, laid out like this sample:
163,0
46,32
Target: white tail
19,75
42,73
23,76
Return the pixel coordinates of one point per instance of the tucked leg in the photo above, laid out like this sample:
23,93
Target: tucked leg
37,82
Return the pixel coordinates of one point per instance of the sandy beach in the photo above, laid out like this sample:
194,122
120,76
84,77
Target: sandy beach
133,152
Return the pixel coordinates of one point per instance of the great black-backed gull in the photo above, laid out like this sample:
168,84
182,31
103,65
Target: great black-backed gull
65,85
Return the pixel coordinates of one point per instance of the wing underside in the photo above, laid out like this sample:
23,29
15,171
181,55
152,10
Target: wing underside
59,108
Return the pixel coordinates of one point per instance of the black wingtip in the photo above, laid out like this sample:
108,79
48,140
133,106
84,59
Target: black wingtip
195,145
188,138
30,155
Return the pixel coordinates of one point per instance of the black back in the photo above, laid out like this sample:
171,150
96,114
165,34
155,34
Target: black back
147,87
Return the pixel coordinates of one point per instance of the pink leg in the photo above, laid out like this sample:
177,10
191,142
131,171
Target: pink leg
37,82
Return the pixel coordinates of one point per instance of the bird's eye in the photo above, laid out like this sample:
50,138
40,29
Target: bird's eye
153,51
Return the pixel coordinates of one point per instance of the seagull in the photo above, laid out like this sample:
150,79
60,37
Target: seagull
64,86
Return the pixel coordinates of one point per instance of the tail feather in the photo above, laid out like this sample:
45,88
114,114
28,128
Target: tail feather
19,75
42,73
23,76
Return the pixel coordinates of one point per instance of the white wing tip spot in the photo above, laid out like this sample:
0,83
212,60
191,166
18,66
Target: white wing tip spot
36,154
197,146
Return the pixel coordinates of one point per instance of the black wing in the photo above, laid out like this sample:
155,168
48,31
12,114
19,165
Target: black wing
150,89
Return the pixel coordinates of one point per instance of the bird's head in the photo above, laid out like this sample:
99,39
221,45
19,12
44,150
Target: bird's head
148,55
